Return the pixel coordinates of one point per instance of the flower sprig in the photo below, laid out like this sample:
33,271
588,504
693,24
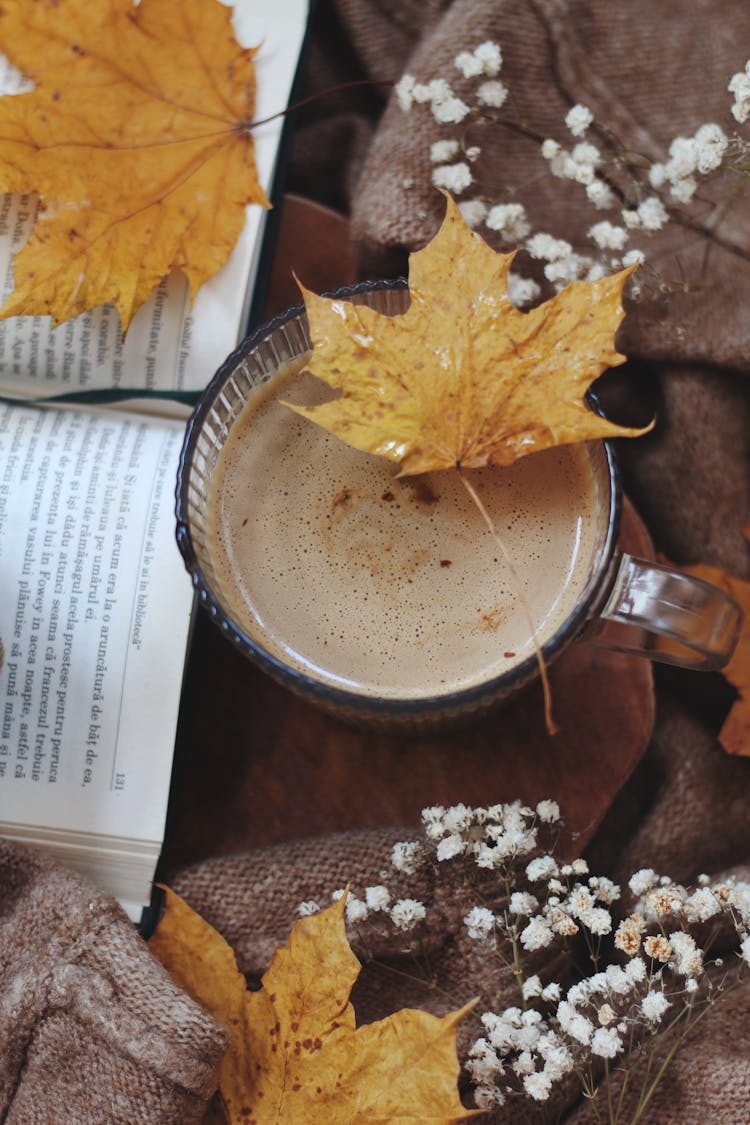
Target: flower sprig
652,974
657,193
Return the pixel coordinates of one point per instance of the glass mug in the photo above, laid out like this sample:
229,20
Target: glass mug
624,603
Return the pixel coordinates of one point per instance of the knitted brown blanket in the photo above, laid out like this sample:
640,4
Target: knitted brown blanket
89,1021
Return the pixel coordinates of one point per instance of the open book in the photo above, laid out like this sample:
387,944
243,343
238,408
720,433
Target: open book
95,606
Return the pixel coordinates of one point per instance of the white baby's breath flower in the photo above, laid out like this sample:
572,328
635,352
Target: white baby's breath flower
598,921
654,1005
433,821
633,258
532,987
492,93
510,218
547,247
537,1086
522,903
310,906
560,922
652,213
712,144
485,59
550,148
580,901
628,934
450,846
635,970
745,949
739,85
657,948
472,153
563,165
604,889
458,818
480,922
440,151
684,190
701,905
552,991
606,1015
473,212
490,56
449,110
487,1097
600,194
487,857
406,856
578,119
454,177
606,1043
586,153
607,236
579,867
421,92
536,935
355,911
563,271
683,157
617,980
584,174
658,175
521,290
482,1062
469,65
573,1023
687,957
523,1064
642,881
542,868
407,913
404,91
548,811
377,898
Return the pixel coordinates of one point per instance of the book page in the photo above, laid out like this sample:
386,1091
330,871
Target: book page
94,621
169,345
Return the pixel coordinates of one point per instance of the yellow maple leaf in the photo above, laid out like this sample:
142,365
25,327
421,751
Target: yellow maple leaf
735,732
295,1053
462,377
136,139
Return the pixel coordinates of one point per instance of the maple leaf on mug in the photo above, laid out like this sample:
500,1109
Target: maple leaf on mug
295,1053
136,140
462,377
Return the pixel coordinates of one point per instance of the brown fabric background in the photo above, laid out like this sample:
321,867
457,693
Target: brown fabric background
78,992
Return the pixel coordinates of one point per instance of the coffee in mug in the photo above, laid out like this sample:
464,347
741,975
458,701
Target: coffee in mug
387,586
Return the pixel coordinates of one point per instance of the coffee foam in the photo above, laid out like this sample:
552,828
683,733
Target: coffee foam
392,587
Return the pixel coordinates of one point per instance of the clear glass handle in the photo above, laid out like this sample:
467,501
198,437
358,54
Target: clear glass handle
668,616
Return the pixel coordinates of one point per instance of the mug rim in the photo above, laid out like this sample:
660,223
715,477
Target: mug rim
360,703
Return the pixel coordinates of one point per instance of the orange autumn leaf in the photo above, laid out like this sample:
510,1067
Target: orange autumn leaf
462,377
735,733
136,140
295,1053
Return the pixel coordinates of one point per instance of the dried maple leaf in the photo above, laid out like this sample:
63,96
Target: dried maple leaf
295,1054
735,733
464,378
135,139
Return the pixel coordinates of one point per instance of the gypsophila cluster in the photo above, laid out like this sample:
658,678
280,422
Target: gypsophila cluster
661,980
646,969
658,193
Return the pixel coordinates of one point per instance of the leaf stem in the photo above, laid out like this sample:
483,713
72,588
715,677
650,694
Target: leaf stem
546,690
